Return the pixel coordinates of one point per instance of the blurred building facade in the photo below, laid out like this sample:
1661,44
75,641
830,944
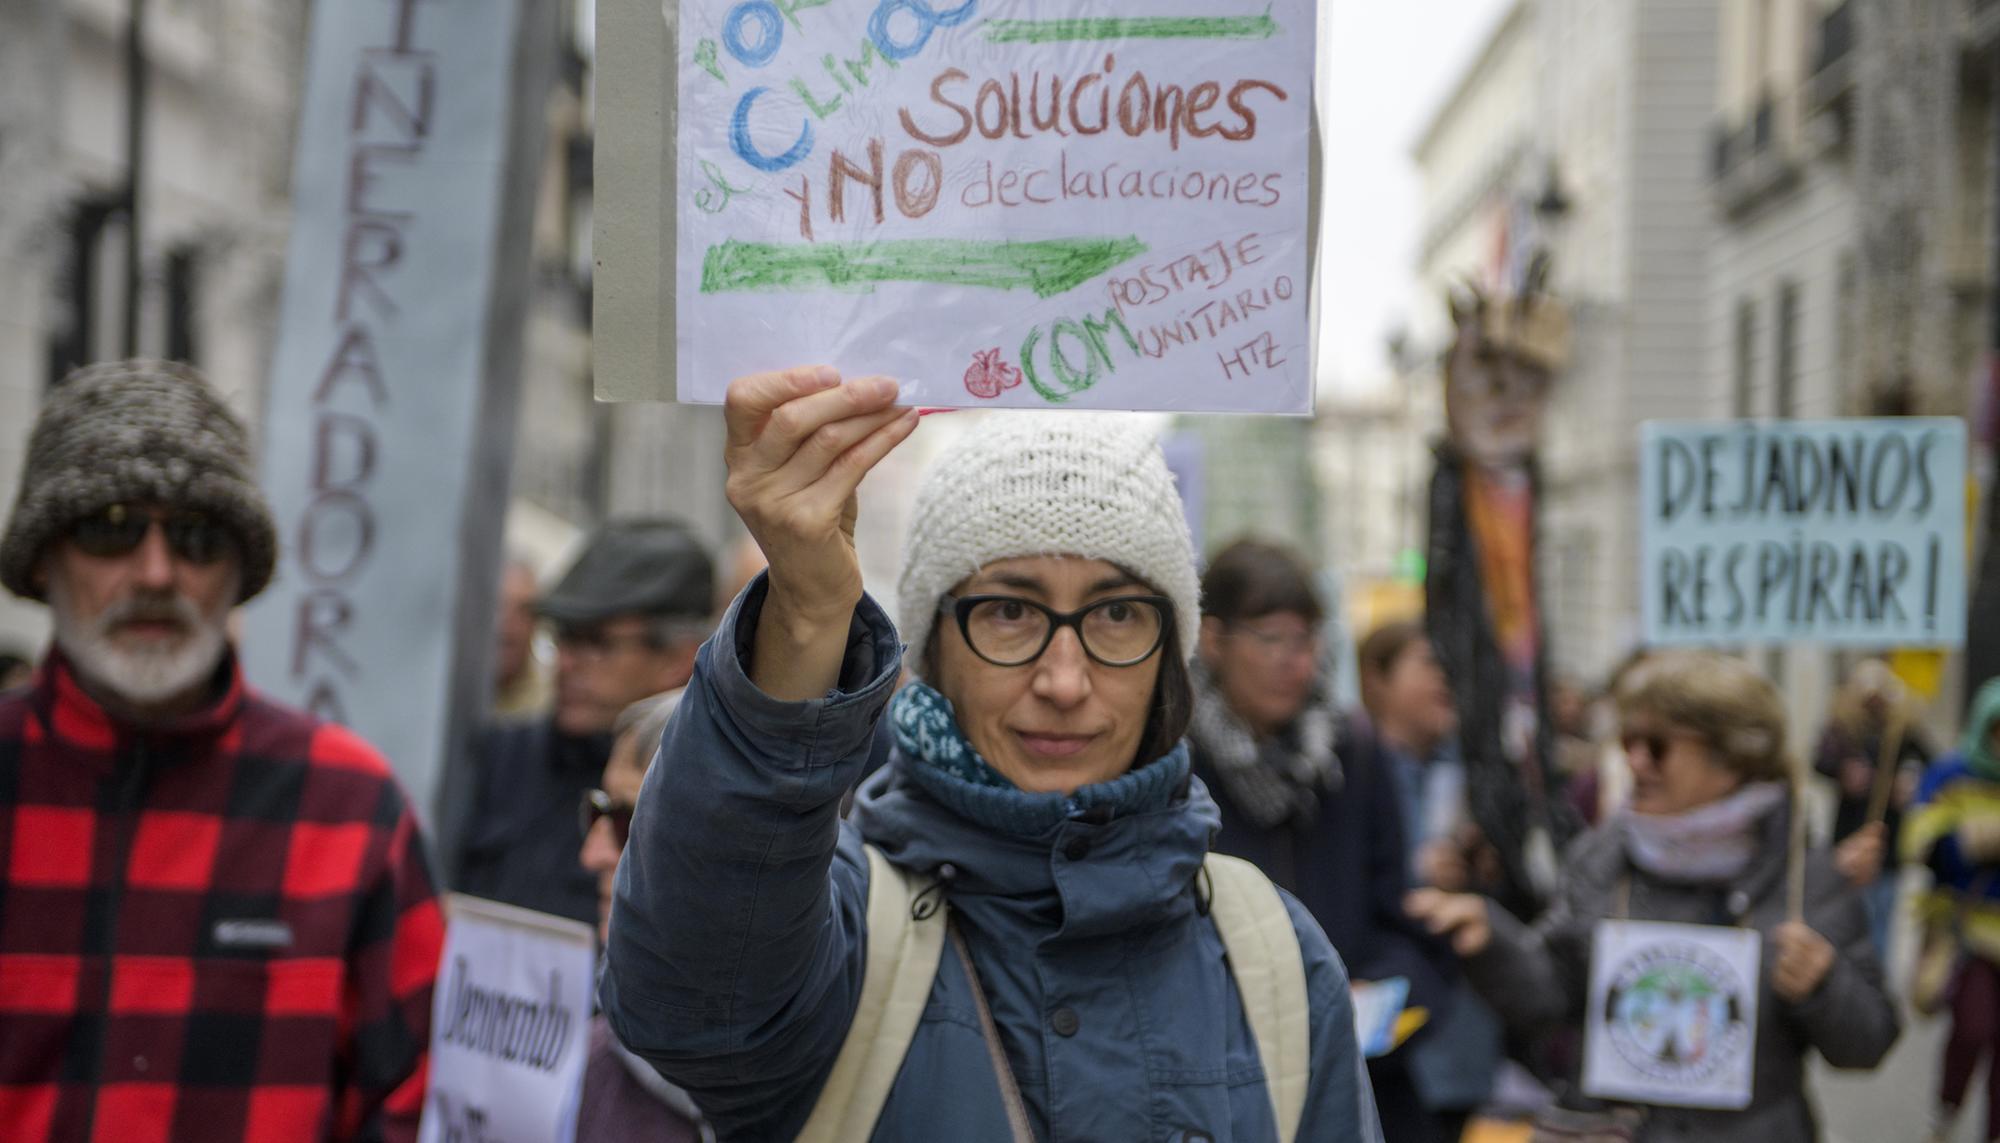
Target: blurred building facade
1582,127
1852,168
1369,454
1758,208
221,83
578,461
1256,478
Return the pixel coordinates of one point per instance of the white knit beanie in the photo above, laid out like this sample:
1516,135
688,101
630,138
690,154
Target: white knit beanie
1039,484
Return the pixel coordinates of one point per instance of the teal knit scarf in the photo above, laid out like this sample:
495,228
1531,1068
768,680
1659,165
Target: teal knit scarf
944,765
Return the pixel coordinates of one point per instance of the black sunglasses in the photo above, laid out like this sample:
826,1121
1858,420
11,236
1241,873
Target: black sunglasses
597,804
1008,631
119,529
1656,743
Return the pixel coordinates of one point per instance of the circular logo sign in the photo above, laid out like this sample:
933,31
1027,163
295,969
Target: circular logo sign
1675,1013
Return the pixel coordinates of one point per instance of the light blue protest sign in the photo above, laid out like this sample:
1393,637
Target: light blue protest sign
1845,533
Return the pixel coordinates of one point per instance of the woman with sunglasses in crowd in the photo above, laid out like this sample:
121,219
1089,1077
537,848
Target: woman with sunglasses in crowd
1038,792
1704,840
624,1100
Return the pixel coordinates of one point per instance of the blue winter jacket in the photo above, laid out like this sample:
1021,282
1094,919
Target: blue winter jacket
738,938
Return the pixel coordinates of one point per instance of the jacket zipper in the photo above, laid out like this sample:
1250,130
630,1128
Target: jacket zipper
130,793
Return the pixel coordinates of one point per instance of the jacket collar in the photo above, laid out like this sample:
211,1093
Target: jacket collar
78,721
1080,878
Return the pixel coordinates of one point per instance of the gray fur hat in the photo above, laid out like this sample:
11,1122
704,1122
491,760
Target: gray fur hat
129,431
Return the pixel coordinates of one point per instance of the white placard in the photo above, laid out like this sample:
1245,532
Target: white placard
1086,204
510,1025
1847,533
1673,1014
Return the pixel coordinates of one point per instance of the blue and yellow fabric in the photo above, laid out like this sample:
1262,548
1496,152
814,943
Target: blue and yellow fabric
1958,789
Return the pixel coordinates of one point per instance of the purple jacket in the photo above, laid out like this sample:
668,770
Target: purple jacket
626,1101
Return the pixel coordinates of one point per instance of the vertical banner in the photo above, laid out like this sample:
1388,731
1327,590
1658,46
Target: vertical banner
510,1025
1084,204
390,415
1845,533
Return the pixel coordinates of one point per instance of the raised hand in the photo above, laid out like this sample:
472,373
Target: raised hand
800,442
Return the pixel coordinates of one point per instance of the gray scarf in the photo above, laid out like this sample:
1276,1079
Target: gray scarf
1707,845
1276,781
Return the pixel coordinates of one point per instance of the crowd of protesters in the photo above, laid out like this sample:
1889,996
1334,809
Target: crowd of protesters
1003,861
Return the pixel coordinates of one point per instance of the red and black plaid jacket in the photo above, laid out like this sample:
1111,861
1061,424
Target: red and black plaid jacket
223,929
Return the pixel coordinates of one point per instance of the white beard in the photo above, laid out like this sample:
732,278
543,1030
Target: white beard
145,676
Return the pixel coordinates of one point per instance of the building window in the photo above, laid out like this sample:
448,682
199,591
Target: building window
1745,378
83,315
1787,396
183,279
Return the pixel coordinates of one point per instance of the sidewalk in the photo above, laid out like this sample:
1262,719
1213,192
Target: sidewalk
1893,1103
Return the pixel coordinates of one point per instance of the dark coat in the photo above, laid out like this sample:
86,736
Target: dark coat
1347,864
740,933
1537,978
1836,745
521,844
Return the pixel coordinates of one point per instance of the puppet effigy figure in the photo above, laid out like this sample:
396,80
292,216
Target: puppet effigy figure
1483,609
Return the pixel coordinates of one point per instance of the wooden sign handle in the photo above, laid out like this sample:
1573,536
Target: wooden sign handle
1887,762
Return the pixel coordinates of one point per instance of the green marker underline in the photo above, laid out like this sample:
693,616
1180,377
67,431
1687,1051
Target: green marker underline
1048,267
1132,28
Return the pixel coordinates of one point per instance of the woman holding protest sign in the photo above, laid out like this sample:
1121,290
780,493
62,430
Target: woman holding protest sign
1019,933
1703,951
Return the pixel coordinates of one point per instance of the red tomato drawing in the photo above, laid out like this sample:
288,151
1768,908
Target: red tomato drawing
990,375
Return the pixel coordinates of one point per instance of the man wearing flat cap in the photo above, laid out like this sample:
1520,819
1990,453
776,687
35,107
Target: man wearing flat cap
629,616
216,917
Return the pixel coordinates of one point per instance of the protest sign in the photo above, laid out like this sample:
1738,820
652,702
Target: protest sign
510,1023
389,421
1848,533
1672,1014
1092,204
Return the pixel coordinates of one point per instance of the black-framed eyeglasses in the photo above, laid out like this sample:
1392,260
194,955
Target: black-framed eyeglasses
119,529
597,805
1008,631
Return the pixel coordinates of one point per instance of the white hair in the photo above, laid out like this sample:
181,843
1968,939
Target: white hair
147,675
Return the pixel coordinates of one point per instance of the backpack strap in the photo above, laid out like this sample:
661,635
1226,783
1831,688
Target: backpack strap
903,954
1270,972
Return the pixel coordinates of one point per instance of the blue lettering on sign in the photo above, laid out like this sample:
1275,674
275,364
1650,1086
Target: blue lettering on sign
746,148
928,20
770,35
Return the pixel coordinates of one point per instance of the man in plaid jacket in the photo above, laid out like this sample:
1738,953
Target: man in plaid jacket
216,917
